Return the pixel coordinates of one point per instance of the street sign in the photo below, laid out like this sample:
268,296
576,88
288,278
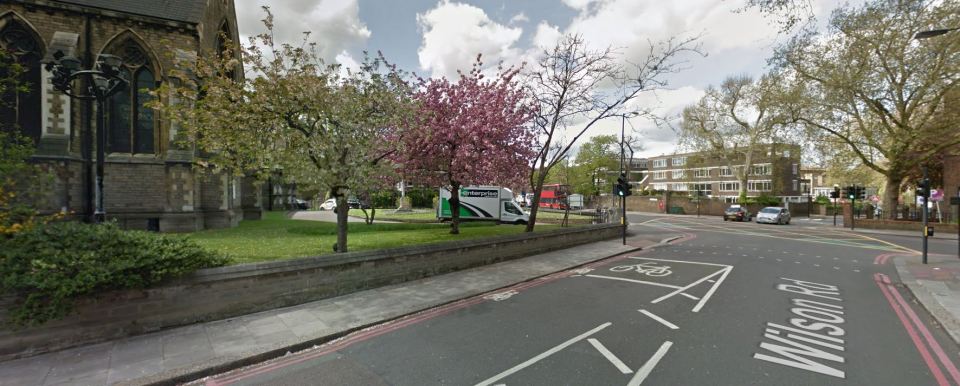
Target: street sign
936,195
875,198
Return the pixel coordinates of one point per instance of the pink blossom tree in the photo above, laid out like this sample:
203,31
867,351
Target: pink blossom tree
476,131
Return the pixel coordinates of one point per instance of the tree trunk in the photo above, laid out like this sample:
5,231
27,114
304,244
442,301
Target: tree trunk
343,210
535,204
891,195
454,208
373,214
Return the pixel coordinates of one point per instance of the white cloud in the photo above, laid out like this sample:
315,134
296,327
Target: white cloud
347,61
334,24
519,18
453,35
545,37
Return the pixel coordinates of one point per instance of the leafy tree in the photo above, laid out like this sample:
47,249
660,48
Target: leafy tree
573,83
323,125
736,122
595,160
473,131
22,184
869,84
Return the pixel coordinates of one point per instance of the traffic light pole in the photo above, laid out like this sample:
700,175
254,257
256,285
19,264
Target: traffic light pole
926,197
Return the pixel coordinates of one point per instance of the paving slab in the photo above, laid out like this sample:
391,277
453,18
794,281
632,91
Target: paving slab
936,285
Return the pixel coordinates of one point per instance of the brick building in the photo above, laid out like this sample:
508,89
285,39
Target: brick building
776,172
149,178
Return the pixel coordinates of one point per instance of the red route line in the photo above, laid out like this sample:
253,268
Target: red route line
944,359
381,329
882,282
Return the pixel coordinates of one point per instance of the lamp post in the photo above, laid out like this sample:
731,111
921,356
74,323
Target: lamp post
623,199
102,82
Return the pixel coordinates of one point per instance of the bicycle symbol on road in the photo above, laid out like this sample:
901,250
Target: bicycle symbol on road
646,268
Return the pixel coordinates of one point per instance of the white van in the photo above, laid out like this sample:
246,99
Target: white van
492,203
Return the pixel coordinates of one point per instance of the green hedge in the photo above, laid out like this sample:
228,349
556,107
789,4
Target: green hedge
49,267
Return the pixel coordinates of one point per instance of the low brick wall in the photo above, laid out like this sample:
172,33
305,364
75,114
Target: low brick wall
224,292
906,226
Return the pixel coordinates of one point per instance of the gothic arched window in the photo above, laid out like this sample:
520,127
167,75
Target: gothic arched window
19,107
132,124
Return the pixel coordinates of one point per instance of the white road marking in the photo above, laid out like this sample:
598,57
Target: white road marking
644,371
712,281
779,259
797,262
610,357
712,289
836,267
856,270
816,265
633,281
501,295
689,296
678,261
545,354
819,256
854,260
659,319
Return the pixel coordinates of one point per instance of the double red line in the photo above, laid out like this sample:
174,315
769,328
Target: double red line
916,329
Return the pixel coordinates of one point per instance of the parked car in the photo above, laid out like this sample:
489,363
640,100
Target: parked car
774,215
736,213
353,203
301,204
330,204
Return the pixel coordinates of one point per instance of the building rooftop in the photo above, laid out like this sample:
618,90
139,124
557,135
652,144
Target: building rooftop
190,11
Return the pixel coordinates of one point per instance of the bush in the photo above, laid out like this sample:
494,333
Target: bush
422,198
49,266
822,200
384,199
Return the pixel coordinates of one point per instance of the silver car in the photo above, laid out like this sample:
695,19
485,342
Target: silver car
774,215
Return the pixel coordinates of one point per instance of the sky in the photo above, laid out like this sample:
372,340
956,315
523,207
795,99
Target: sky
433,38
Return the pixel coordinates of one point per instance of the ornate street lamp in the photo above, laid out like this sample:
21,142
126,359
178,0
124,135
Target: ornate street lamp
103,81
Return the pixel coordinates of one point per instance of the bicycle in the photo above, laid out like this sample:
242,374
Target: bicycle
649,269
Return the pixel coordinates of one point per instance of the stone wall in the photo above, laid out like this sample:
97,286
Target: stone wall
225,292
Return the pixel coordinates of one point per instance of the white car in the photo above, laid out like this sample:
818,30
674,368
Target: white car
774,215
330,204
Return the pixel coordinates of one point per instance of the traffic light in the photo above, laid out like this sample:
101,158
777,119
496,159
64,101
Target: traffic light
623,187
851,192
835,193
923,190
861,193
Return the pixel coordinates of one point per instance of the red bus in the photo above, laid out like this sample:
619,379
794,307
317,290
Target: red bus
554,196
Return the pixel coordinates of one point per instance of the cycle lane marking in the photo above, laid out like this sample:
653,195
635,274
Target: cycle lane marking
723,275
543,355
659,319
651,363
610,357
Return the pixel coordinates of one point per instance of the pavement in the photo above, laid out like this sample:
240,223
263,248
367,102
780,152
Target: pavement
936,285
186,353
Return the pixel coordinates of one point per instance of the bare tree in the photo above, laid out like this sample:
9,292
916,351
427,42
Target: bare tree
736,122
573,83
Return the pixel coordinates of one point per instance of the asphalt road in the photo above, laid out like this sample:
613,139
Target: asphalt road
728,304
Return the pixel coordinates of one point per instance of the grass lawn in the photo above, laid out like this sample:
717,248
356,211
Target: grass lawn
277,237
430,215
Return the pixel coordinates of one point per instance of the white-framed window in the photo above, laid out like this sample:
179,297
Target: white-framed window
679,161
702,187
660,175
726,172
796,185
701,173
660,163
680,187
729,186
759,186
659,186
761,170
786,153
796,169
678,174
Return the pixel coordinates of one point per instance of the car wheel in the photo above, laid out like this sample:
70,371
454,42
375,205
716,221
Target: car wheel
519,222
